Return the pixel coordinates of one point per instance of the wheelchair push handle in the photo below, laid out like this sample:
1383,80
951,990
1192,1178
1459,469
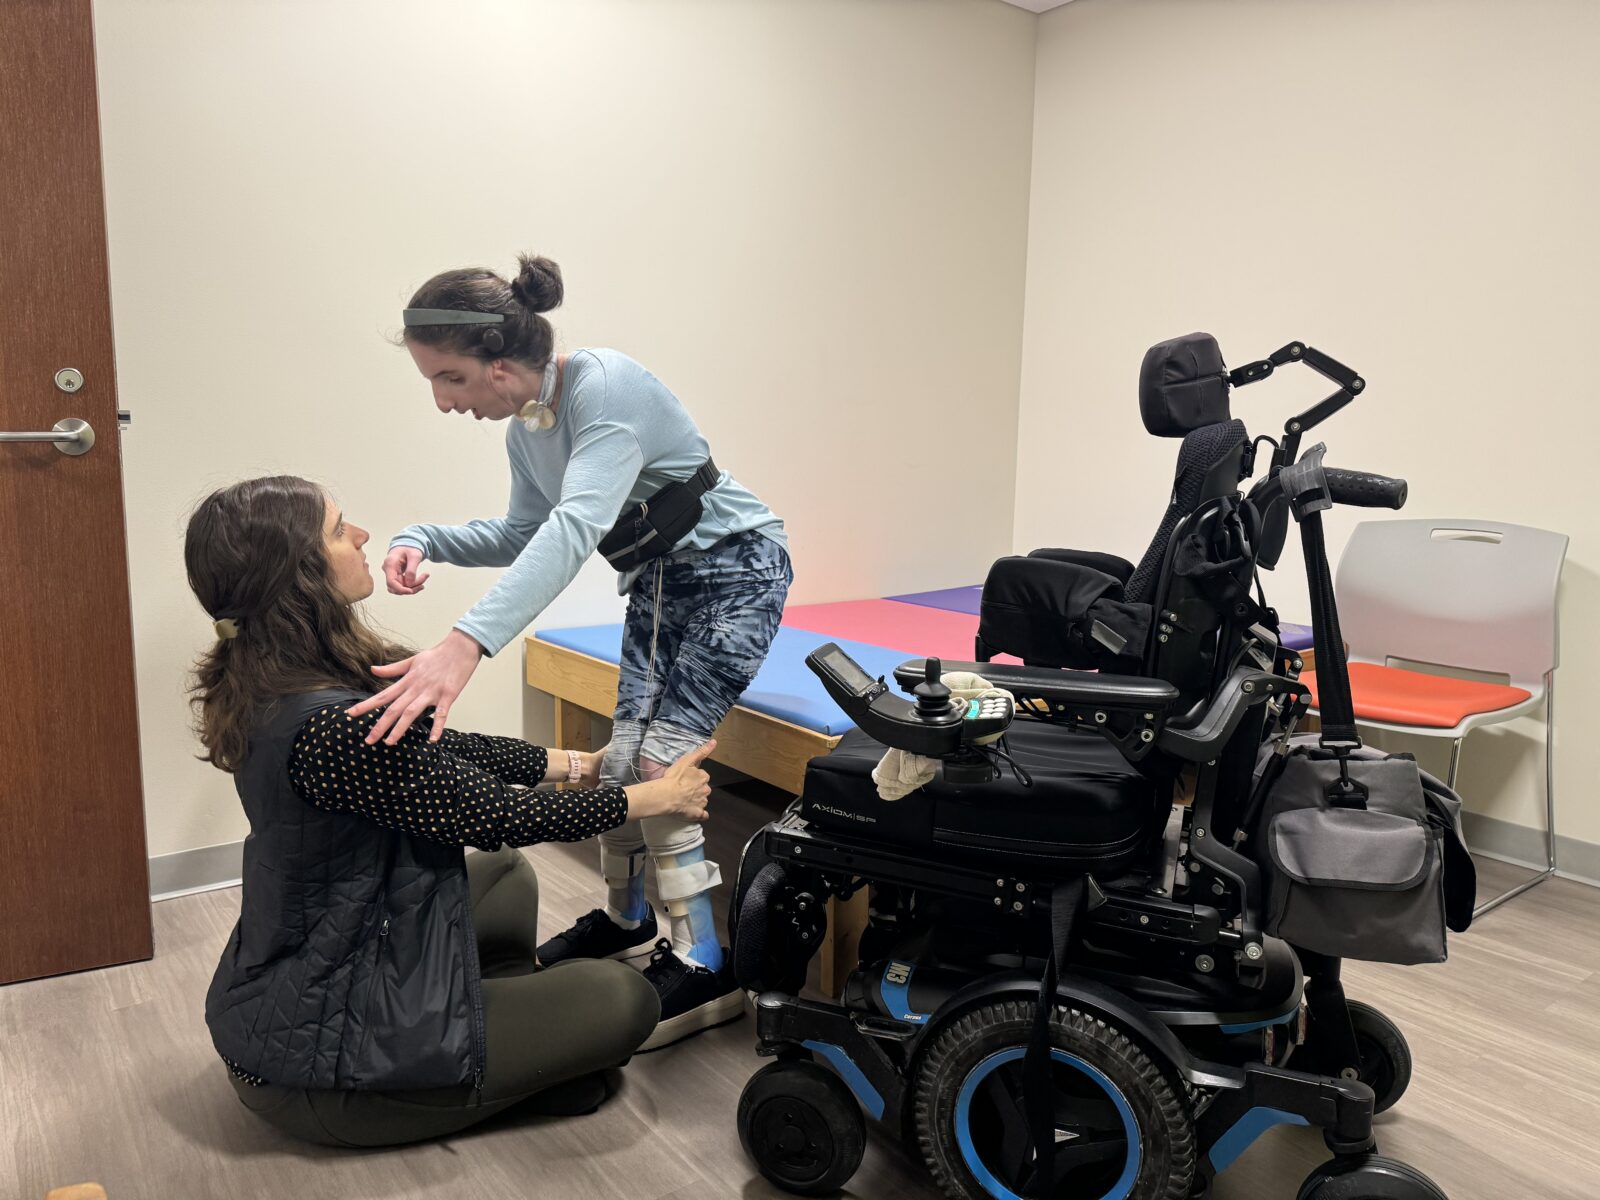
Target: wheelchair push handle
1312,487
1359,489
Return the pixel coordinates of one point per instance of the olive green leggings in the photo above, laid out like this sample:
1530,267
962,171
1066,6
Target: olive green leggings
551,1035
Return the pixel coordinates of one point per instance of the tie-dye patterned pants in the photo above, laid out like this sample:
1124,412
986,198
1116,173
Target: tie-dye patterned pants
711,616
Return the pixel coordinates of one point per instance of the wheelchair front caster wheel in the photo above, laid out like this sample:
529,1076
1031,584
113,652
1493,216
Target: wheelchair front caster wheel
1385,1056
1368,1177
802,1127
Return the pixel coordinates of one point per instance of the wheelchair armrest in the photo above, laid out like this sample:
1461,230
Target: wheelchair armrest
1204,740
1053,608
1114,565
1077,689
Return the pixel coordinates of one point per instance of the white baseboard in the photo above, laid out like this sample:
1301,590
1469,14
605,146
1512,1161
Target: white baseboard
1524,846
199,870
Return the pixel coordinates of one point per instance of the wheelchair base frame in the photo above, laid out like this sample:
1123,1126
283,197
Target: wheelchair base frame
1241,1103
875,1055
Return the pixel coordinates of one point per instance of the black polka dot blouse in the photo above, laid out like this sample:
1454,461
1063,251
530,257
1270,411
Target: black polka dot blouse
466,789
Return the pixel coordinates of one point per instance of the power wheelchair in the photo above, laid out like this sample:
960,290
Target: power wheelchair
1064,989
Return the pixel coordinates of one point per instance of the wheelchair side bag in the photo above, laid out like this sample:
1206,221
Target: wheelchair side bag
1376,870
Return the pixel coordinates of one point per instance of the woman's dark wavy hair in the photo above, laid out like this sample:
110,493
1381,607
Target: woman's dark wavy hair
523,336
254,555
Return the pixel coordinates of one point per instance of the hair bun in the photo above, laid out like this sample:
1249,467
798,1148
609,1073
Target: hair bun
538,283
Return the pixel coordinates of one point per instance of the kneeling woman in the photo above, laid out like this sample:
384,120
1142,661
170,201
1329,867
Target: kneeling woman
380,985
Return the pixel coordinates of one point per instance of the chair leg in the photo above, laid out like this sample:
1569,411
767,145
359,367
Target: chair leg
1549,802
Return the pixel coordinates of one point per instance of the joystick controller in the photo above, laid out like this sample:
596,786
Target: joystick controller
933,698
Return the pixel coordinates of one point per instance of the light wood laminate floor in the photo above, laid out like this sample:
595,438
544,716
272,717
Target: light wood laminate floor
109,1076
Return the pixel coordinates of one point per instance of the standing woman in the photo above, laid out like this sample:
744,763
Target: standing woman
603,456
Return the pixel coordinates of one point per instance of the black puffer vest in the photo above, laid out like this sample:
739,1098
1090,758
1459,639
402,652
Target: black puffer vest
354,963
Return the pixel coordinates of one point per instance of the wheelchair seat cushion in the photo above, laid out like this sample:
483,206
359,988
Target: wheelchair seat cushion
1087,809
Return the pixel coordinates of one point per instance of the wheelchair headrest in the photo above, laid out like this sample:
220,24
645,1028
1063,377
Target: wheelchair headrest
1183,386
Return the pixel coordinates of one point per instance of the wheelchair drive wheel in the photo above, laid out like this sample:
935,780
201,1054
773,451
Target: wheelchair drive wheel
1368,1177
1385,1056
1122,1129
802,1127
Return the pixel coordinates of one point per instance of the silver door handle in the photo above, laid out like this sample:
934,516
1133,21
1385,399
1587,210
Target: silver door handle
70,435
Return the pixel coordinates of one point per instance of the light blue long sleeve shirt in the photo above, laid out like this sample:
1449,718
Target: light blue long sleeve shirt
620,436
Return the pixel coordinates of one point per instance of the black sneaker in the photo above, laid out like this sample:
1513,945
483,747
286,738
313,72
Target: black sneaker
692,997
597,936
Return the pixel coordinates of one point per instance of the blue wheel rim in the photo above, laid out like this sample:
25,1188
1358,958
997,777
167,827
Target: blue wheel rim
971,1096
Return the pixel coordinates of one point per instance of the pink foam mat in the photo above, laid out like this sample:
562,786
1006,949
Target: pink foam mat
914,629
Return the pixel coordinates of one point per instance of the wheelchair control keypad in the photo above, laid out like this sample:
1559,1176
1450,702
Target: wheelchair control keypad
986,717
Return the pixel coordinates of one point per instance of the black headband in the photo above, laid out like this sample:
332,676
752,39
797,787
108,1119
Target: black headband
449,316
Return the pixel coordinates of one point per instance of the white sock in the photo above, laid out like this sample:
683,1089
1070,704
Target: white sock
617,919
688,957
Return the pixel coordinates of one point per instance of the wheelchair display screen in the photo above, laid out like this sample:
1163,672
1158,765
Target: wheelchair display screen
846,671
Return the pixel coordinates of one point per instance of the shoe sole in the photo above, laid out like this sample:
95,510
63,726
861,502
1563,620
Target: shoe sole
709,1015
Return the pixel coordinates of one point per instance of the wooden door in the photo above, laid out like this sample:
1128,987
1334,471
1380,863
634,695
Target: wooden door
74,879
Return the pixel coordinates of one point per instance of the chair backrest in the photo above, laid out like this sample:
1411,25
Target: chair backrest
1478,595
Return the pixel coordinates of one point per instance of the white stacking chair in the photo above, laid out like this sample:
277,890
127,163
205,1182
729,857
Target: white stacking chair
1478,596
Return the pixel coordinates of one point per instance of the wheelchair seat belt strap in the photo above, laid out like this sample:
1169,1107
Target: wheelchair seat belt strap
1038,1087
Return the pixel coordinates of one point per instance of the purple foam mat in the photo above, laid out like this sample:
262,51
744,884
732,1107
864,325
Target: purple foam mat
957,599
1295,637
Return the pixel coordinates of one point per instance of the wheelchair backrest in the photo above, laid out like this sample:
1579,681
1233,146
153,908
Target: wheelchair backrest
1197,548
1210,465
1183,392
1077,609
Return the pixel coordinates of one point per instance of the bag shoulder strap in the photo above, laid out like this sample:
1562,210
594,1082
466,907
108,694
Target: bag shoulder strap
704,478
1308,497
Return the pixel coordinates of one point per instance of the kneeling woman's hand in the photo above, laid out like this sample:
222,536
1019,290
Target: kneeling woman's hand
682,792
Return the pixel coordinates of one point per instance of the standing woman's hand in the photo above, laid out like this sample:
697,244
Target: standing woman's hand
431,678
400,571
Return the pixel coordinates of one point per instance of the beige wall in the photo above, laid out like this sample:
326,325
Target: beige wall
813,220
809,219
1409,186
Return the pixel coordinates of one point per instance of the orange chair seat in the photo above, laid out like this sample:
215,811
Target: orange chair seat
1401,697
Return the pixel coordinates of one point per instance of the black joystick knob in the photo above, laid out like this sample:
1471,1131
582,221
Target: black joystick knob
932,695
